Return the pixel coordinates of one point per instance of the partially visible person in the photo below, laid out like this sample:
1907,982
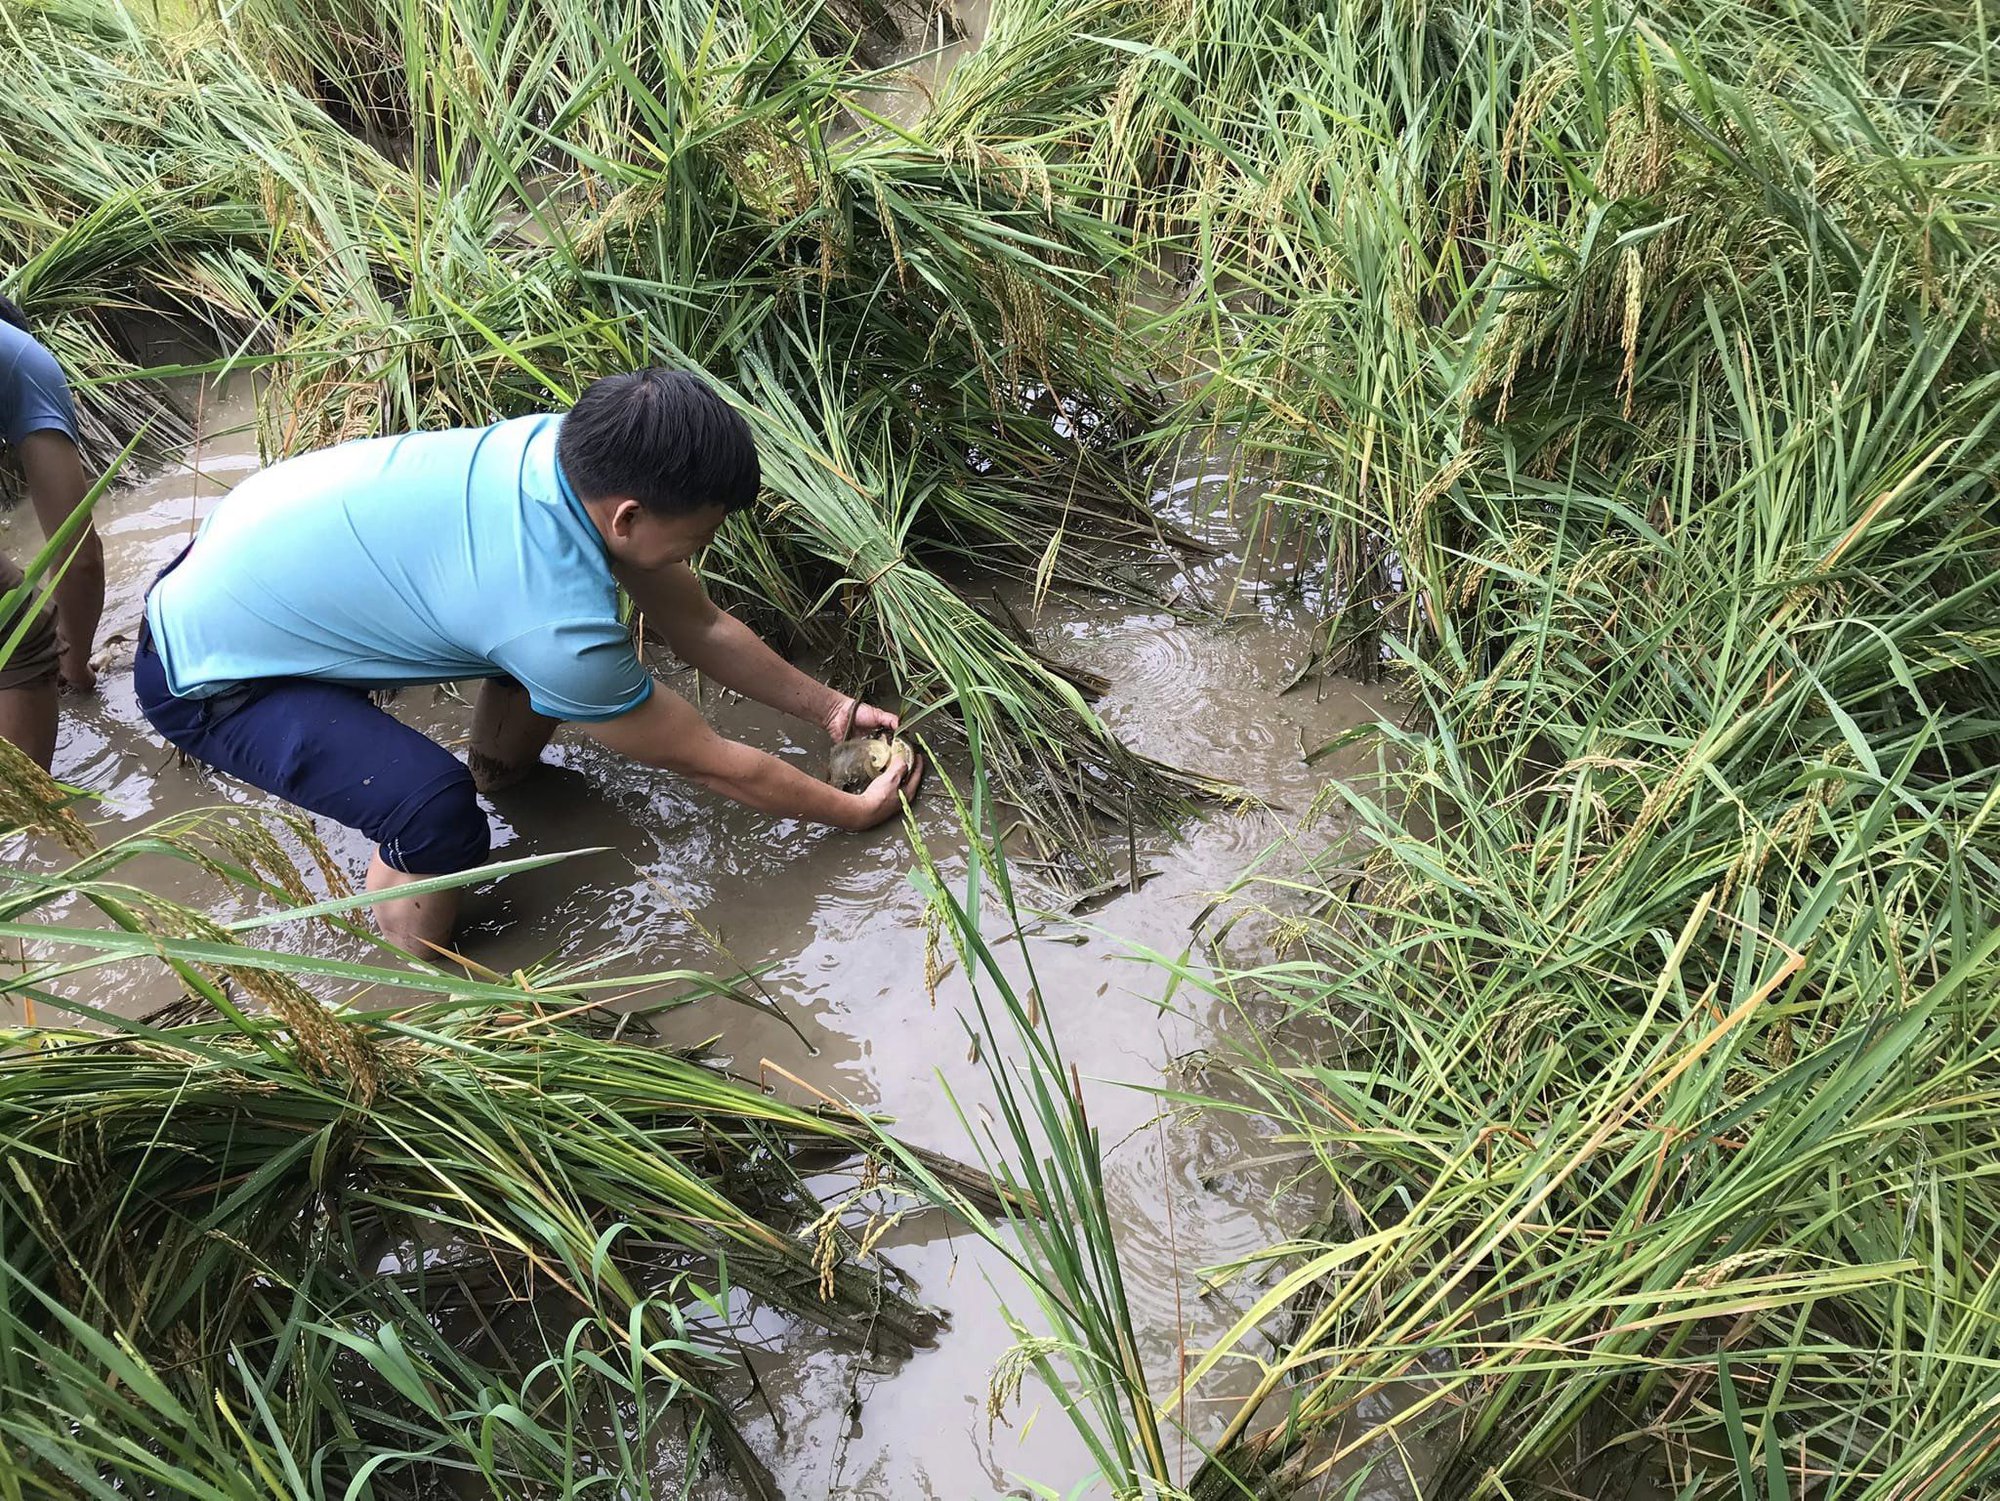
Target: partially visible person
38,422
494,553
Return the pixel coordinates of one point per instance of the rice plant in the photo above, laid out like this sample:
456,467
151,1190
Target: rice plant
326,1228
1635,370
665,183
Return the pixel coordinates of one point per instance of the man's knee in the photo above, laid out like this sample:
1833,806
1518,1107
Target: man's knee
439,832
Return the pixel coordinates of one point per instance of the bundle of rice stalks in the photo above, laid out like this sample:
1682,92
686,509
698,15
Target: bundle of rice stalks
475,1239
1654,354
350,1244
151,187
523,203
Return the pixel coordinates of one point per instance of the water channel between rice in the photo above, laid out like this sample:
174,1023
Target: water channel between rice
833,926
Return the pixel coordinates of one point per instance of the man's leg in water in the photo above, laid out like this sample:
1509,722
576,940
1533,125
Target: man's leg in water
58,483
28,680
419,925
508,736
28,718
329,750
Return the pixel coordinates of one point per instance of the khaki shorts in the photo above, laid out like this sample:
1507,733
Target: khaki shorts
34,660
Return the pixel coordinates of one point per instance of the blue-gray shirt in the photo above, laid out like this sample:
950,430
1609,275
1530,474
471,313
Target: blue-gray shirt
34,397
392,561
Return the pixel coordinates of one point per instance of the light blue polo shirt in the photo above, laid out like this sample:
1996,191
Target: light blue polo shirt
393,561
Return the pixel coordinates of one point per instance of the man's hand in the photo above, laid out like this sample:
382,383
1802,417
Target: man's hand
850,717
73,664
666,731
883,799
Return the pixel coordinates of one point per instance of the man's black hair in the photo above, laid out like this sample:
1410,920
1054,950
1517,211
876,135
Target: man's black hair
663,437
12,314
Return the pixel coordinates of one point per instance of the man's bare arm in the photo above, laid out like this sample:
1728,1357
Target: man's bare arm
667,732
721,647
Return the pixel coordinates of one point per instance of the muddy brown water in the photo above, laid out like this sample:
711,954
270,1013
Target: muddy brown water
684,879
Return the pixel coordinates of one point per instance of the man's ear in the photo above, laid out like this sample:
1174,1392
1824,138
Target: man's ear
624,516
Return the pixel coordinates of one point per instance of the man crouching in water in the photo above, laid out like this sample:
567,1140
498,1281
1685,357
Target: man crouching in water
491,553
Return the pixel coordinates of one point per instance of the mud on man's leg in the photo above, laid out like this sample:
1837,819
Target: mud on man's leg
508,736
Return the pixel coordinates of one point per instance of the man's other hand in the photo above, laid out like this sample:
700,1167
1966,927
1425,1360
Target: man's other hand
78,675
851,717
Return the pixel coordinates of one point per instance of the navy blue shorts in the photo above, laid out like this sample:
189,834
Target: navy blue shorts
330,750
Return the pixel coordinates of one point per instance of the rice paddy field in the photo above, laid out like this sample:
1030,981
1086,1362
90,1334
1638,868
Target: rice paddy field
1448,555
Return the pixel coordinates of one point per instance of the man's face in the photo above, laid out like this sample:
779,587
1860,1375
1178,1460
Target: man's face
641,539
